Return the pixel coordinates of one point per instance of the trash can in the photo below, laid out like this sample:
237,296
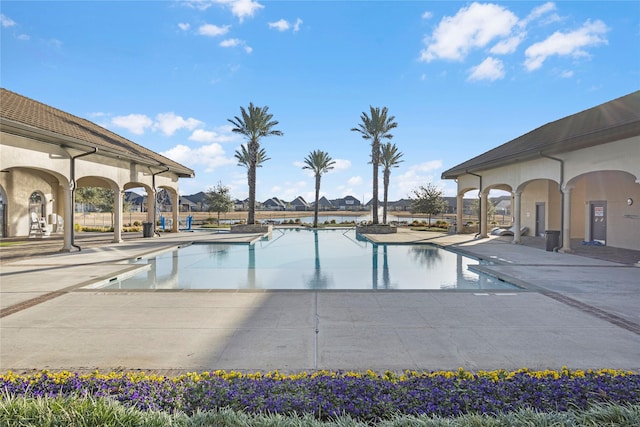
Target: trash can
147,229
553,239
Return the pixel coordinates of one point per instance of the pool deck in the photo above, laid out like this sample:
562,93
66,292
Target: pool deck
578,310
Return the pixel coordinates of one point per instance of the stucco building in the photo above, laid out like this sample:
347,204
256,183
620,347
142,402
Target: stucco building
46,154
579,175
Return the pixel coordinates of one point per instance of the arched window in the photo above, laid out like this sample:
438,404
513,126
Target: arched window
36,203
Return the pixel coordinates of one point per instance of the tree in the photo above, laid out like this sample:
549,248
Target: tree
428,200
319,162
255,123
102,199
491,208
376,128
389,158
218,199
242,156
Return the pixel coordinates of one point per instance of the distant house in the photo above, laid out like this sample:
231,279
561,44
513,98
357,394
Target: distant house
324,204
400,205
502,205
274,204
369,204
348,203
187,205
198,200
299,204
133,201
241,205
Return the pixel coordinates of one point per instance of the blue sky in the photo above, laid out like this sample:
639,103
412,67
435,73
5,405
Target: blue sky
459,77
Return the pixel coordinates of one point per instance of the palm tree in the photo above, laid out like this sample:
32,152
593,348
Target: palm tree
242,156
389,158
376,128
254,124
319,163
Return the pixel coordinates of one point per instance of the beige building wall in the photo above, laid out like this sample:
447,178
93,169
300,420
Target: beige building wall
608,172
623,221
29,165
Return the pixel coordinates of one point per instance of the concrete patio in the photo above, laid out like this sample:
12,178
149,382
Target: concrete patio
573,310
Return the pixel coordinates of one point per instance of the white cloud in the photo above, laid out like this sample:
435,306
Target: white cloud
239,8
281,25
508,45
427,166
201,135
236,43
354,181
341,164
538,12
490,69
566,44
169,123
403,185
243,8
284,25
24,37
566,74
472,27
210,156
198,4
5,21
213,30
289,190
134,123
427,15
184,26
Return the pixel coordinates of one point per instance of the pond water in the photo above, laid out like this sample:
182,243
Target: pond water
308,259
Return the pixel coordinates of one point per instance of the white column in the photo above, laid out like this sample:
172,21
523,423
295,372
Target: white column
459,213
516,216
68,217
151,208
117,215
566,215
175,203
484,199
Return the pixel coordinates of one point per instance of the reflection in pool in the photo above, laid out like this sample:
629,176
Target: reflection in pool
309,259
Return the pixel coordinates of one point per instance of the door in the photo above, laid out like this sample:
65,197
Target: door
598,217
540,219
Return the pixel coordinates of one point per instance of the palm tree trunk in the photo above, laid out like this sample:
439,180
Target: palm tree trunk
253,153
315,207
386,194
375,153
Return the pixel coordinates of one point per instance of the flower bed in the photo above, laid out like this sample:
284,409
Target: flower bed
364,396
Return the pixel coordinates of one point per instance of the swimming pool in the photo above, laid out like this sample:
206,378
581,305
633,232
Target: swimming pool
307,259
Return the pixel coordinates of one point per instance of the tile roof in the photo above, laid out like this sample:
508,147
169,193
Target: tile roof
608,122
39,117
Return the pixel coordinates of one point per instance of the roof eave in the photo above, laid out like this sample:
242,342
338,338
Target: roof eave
53,138
603,136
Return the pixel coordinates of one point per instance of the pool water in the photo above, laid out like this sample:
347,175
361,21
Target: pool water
308,259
